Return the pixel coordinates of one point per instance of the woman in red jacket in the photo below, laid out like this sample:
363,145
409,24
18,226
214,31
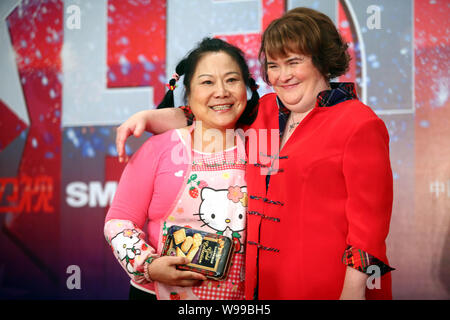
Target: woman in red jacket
320,204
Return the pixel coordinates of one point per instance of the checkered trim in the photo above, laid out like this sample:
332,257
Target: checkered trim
228,159
230,289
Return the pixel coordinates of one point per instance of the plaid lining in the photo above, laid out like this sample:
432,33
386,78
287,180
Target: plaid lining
340,91
283,115
361,261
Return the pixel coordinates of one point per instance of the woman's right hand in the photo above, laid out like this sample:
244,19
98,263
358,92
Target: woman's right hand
155,121
164,270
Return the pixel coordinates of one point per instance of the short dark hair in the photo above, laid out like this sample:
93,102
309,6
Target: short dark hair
309,32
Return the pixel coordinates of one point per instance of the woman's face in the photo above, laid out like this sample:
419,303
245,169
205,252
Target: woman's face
296,81
218,94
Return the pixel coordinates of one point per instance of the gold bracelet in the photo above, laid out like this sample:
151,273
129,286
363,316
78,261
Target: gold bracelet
147,263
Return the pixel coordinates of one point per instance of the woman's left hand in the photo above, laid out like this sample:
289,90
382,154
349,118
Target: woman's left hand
354,285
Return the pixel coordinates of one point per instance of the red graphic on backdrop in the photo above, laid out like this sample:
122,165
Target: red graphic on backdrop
32,194
249,43
29,194
12,126
37,43
137,45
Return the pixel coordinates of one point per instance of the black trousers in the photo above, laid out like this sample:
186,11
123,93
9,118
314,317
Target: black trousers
136,294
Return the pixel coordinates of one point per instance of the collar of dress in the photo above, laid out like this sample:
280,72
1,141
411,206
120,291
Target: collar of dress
340,92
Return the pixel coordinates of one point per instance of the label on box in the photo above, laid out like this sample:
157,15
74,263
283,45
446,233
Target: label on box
210,254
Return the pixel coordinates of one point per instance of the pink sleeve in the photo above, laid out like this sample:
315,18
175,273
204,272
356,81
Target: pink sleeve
129,247
129,209
135,190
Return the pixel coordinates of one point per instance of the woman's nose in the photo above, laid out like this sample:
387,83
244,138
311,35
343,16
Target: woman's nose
285,73
221,90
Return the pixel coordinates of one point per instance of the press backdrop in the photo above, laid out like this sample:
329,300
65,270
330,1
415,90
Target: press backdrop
71,71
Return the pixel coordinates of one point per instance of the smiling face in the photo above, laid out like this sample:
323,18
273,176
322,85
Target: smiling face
218,93
296,80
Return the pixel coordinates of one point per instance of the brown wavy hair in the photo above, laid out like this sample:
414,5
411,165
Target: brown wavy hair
309,32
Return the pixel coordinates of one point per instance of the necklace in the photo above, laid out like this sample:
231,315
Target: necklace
294,124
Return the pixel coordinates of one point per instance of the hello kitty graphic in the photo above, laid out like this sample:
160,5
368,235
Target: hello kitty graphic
224,211
123,244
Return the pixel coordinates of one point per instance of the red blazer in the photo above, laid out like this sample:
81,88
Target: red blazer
334,188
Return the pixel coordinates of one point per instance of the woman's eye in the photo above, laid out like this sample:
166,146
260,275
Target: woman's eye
207,82
232,80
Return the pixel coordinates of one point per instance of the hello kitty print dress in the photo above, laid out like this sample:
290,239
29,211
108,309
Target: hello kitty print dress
212,197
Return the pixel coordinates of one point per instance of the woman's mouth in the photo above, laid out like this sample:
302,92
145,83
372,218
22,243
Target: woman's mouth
290,86
222,107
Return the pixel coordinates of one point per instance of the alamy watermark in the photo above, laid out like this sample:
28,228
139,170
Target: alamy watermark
73,20
374,279
374,20
74,280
